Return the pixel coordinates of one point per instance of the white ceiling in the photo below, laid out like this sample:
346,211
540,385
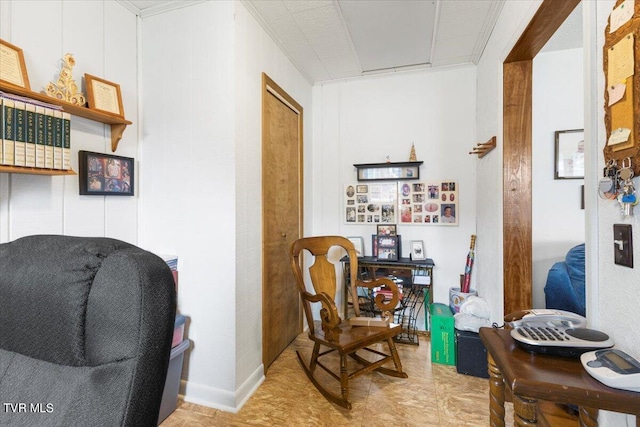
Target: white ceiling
335,39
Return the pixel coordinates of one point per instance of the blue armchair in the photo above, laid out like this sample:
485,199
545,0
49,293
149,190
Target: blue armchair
564,289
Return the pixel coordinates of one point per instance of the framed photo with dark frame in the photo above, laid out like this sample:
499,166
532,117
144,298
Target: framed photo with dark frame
105,174
569,158
386,229
387,247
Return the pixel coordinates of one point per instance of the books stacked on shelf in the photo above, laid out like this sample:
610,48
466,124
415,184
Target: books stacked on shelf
34,134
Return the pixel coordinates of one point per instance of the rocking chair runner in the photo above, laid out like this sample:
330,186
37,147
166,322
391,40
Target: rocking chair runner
331,331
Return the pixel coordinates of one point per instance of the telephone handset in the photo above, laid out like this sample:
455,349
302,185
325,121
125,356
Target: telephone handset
556,332
534,315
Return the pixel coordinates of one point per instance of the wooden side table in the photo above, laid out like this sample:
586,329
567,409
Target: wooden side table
532,377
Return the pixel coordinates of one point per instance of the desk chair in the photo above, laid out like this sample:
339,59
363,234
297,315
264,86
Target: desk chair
335,334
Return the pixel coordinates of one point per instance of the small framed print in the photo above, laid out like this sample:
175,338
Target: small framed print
358,244
105,174
387,247
386,229
14,70
103,95
417,250
569,154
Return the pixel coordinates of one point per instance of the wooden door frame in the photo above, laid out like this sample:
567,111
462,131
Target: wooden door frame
270,86
517,151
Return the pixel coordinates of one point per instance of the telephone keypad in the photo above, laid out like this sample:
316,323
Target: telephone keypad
542,333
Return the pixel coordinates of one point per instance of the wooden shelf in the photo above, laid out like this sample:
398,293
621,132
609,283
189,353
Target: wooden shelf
118,124
390,171
35,171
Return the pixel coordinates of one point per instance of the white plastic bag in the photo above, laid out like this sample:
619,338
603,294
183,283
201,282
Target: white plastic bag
474,314
476,306
468,322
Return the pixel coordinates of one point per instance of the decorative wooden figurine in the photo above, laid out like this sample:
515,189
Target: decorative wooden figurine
412,155
66,89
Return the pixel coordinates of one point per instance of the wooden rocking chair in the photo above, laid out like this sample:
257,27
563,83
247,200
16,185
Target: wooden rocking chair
343,337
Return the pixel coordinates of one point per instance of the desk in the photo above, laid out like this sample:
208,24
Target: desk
552,378
413,293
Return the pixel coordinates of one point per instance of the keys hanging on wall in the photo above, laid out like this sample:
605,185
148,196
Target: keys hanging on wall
627,196
609,185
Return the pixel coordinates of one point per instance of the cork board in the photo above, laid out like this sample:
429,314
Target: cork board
624,113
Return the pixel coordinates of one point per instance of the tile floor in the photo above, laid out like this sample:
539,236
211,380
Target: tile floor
433,395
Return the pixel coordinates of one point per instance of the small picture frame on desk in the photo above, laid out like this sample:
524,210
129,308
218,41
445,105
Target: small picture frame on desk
417,250
358,244
387,247
386,229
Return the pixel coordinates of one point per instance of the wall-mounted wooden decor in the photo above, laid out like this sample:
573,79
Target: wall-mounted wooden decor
622,76
482,149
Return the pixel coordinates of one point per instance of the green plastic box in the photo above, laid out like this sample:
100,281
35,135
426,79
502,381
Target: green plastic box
443,336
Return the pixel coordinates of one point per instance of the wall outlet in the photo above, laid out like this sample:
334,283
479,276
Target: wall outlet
623,244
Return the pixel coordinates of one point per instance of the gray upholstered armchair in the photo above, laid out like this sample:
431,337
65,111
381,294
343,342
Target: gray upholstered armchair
85,332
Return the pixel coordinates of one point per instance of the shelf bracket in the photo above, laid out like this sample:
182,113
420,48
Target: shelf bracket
483,148
116,135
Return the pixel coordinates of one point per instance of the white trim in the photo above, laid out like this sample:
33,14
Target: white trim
222,399
275,93
591,106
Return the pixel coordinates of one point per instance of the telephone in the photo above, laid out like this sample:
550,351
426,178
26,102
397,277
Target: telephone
556,332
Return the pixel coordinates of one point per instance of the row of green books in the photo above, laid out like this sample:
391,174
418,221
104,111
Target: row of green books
34,134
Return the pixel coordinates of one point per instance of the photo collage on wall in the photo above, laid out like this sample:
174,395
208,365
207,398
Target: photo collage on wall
417,203
370,203
431,202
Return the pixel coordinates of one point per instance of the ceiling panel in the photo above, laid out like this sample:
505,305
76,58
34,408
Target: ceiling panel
333,39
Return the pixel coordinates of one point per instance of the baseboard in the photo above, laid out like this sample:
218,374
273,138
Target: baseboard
222,399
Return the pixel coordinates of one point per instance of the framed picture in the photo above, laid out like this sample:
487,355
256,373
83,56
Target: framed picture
388,171
105,174
14,70
417,250
386,229
387,247
569,158
358,244
103,95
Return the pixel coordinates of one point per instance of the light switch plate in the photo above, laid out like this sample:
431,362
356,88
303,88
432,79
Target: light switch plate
623,244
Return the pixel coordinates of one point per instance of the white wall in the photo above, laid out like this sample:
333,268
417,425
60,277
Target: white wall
187,186
364,120
100,35
255,53
618,293
557,219
201,192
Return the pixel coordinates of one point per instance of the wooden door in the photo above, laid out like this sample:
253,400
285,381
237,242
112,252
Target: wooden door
281,216
517,128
